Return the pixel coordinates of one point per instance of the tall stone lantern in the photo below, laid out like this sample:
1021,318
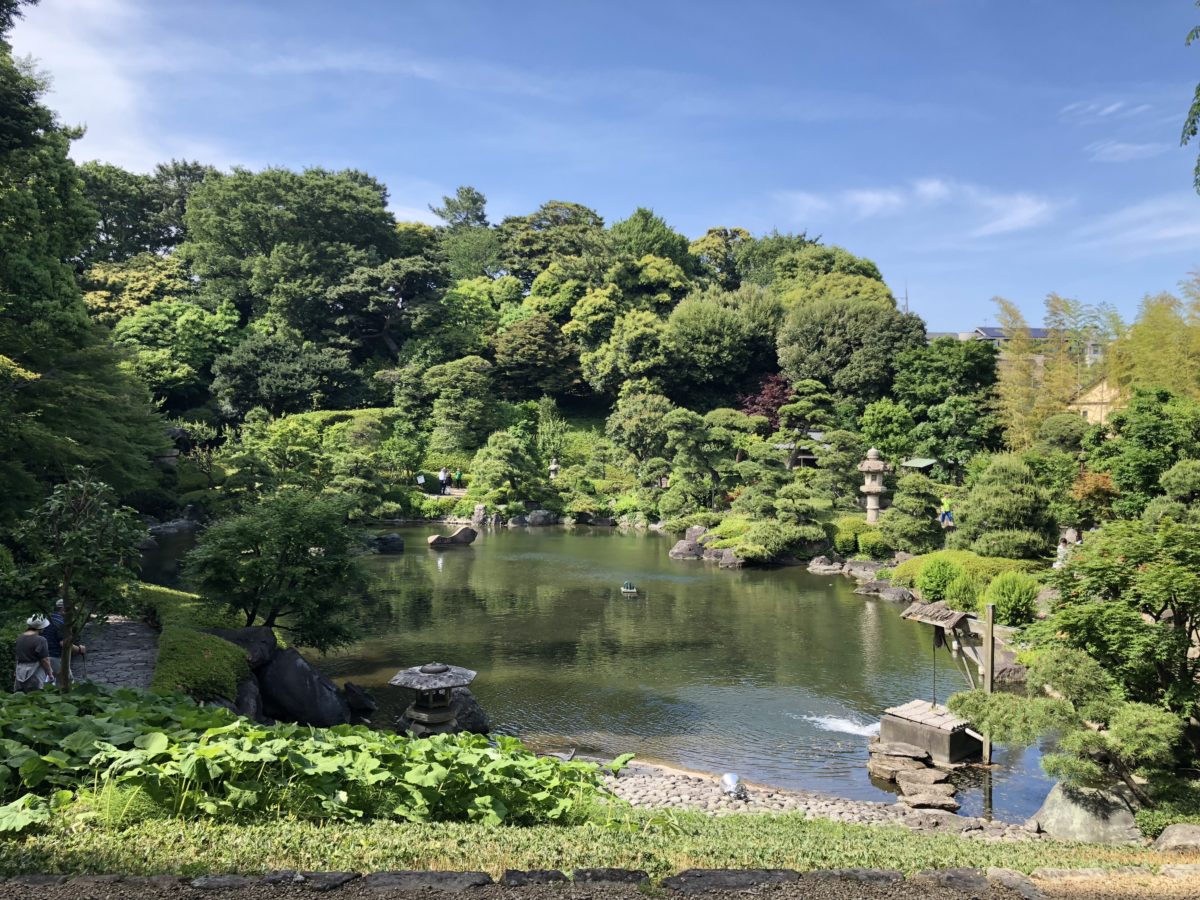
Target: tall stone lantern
873,469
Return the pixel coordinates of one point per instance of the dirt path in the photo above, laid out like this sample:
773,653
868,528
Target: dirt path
120,653
1111,888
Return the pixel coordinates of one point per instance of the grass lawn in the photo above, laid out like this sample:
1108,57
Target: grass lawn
662,844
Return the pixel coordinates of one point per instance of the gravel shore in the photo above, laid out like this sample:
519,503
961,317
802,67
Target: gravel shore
651,786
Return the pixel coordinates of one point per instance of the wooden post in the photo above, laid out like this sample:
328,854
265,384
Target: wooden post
989,668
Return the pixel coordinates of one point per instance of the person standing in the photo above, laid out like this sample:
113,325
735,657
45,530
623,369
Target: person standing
947,516
33,657
54,634
443,479
458,478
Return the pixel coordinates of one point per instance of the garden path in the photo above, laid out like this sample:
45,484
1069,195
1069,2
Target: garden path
120,653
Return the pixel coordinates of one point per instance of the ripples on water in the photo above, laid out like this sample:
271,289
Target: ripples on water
778,675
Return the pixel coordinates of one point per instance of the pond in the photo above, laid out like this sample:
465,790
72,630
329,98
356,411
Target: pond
775,674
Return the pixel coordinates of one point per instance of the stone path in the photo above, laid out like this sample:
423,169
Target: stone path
121,653
655,787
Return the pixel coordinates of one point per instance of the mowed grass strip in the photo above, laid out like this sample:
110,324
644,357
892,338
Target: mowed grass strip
662,844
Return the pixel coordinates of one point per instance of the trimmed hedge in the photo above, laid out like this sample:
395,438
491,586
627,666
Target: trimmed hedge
846,533
874,544
1015,596
935,578
203,666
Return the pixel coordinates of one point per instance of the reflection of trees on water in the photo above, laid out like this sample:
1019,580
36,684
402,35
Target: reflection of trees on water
543,609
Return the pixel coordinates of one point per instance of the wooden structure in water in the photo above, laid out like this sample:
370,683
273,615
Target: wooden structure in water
931,727
926,723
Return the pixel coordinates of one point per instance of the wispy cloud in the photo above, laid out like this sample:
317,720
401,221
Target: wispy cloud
1090,112
1169,223
971,209
1123,151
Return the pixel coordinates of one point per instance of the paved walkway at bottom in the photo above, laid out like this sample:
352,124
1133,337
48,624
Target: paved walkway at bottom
120,653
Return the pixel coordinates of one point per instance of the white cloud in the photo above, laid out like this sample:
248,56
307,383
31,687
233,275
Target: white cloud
102,64
969,209
1121,151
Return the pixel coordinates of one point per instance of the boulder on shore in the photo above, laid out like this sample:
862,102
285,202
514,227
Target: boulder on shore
388,543
542,517
1179,838
930,801
461,536
1090,815
730,560
257,641
823,565
294,691
686,550
885,590
862,569
694,533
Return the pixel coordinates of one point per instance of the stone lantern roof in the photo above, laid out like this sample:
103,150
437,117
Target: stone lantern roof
874,463
433,677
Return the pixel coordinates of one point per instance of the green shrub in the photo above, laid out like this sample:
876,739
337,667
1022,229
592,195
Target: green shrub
164,606
846,532
981,567
205,764
1176,801
1010,544
963,592
1015,596
438,507
680,524
874,544
203,666
935,578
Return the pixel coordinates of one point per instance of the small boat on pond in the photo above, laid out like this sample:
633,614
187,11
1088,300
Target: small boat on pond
628,588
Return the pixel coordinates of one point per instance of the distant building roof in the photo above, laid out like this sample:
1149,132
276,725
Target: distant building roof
918,462
990,333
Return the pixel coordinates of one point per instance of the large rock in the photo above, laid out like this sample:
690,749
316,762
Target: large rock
930,801
388,543
917,777
541,517
694,533
479,515
1090,815
886,591
730,560
294,691
362,705
686,550
1179,839
460,537
248,701
518,522
897,748
258,642
916,788
604,521
823,565
888,768
862,569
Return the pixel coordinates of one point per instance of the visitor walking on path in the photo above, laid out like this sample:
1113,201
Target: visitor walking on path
443,480
1064,550
458,478
54,635
33,657
947,516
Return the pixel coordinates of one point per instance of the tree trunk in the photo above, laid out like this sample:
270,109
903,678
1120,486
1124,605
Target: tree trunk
67,637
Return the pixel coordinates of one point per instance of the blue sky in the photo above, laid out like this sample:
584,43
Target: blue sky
972,148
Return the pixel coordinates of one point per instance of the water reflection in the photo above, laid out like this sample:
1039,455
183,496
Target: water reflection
716,670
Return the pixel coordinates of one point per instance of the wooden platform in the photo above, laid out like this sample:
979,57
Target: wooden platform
925,713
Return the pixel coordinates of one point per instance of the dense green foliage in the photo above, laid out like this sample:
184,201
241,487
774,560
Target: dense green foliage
130,756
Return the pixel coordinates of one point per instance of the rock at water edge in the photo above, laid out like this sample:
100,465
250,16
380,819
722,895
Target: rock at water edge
686,550
294,691
1179,838
1090,815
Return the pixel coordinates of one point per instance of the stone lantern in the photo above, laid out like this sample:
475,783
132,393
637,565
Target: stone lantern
873,469
431,712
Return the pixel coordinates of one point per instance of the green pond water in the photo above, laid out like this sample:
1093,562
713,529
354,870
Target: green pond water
775,674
